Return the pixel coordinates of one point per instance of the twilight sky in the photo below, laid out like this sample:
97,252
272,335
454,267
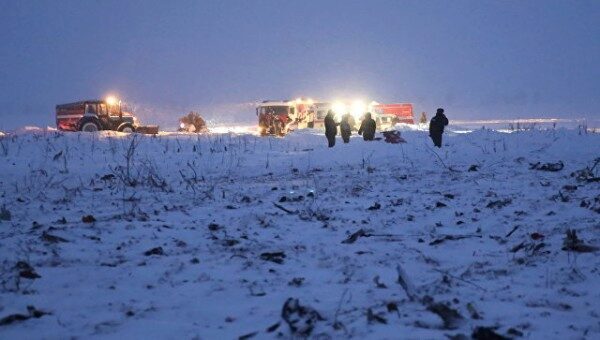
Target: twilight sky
477,59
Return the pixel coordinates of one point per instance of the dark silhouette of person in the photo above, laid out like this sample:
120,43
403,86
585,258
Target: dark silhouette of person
367,127
346,128
330,128
436,127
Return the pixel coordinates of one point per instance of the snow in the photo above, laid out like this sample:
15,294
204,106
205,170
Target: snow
216,204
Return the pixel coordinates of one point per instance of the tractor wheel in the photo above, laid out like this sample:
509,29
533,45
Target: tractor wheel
89,125
126,127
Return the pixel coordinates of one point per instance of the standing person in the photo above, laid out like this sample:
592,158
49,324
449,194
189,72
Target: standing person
367,127
423,119
346,128
436,127
330,128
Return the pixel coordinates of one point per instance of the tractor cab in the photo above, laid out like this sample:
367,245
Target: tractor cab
96,115
107,115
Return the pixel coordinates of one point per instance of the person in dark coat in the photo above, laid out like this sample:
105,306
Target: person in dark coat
436,127
346,128
330,128
367,127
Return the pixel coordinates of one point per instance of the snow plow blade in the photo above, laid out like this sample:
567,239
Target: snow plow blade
148,129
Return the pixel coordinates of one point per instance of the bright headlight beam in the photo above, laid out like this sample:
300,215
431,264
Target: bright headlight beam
339,108
358,108
111,100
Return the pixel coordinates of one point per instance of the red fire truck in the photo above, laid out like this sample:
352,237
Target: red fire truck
402,111
279,117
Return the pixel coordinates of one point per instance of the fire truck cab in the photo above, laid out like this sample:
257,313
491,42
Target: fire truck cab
274,117
279,117
318,111
403,112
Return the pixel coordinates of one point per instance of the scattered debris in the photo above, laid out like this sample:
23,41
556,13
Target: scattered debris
273,327
278,206
499,203
108,177
572,243
26,270
451,238
276,257
283,199
155,251
378,284
354,236
372,317
553,167
297,282
439,204
363,233
88,219
406,284
474,314
393,137
32,313
452,319
512,231
536,236
247,336
392,307
587,174
5,214
375,206
300,319
214,227
230,242
514,332
487,333
49,238
592,204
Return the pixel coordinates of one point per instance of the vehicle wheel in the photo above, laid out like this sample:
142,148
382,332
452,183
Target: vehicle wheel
89,126
127,128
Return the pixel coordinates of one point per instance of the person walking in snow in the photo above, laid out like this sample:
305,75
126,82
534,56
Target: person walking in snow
330,128
367,127
423,119
436,127
346,128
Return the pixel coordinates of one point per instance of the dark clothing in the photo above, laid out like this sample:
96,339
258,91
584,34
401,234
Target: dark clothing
345,128
367,128
436,128
330,129
437,140
330,140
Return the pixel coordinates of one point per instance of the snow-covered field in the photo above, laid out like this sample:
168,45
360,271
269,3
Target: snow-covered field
184,236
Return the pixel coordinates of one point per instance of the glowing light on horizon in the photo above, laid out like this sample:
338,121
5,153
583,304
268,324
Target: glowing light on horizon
112,100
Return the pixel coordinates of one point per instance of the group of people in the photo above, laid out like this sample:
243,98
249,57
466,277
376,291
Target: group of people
367,127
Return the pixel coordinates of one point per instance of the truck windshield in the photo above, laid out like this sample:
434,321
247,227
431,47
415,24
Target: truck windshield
276,110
